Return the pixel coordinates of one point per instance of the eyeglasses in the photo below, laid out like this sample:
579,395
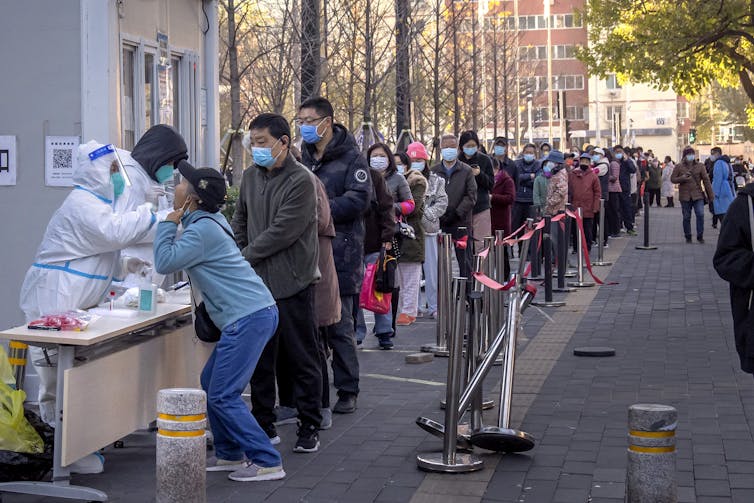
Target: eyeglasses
300,121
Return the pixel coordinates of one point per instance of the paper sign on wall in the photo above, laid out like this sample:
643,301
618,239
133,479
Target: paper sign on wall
61,159
8,164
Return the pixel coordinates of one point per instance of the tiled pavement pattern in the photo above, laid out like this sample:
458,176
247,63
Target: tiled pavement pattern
669,320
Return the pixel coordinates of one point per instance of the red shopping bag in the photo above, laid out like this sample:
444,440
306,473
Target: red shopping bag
369,298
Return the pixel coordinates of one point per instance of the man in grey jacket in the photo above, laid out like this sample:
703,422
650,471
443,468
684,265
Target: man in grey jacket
275,225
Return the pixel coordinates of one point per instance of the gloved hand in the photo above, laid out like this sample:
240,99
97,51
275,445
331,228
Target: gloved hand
134,265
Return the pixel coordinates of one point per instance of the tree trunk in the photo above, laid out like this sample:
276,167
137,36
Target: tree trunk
402,77
310,56
236,148
456,69
495,85
474,76
436,81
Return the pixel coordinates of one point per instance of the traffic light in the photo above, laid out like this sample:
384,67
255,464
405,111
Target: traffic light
692,136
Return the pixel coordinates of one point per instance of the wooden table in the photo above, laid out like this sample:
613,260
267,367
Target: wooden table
106,397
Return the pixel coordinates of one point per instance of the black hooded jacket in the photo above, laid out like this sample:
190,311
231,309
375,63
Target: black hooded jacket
160,145
734,262
344,172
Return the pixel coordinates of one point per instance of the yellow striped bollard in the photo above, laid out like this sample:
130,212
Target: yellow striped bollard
650,476
181,446
17,360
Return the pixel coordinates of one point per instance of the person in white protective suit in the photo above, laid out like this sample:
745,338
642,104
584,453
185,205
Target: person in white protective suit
80,255
150,167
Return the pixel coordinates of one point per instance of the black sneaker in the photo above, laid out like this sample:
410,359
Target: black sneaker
346,405
385,342
688,240
700,239
308,439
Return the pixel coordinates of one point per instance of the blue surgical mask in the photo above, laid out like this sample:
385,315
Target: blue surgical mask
164,173
499,150
690,157
378,162
263,156
309,132
713,157
528,158
547,170
596,158
400,168
619,156
449,154
119,183
470,151
417,165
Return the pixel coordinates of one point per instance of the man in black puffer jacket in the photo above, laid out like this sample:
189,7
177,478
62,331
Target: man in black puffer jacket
734,262
330,151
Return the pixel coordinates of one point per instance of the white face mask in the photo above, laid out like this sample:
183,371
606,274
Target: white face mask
379,163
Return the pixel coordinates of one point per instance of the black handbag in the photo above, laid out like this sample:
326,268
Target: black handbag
384,280
205,328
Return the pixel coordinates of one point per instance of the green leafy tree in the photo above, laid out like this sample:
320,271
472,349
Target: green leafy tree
686,44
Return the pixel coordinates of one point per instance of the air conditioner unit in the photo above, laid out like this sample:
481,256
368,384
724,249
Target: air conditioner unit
613,93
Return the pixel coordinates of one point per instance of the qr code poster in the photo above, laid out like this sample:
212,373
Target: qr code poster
7,160
61,155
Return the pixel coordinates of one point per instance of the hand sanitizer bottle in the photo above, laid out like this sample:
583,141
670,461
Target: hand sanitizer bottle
147,293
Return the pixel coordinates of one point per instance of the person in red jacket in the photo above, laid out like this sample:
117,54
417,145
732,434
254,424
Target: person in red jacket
584,188
502,197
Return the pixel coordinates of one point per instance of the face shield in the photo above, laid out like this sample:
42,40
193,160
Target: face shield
118,175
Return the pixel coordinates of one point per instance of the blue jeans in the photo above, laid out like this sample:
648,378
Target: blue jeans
698,207
224,378
383,323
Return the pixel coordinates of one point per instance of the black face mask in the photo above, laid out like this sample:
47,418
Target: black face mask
584,166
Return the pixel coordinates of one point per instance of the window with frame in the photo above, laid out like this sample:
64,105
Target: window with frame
682,109
128,103
613,111
577,113
612,82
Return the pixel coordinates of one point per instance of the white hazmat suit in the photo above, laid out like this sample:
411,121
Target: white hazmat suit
79,255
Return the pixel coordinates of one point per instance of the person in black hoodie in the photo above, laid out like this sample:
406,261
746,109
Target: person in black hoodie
481,165
627,168
330,151
734,262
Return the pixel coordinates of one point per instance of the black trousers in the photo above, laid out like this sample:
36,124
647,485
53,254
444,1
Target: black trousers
612,214
294,354
654,195
342,341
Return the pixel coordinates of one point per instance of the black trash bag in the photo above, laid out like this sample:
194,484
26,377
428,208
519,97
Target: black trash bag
15,466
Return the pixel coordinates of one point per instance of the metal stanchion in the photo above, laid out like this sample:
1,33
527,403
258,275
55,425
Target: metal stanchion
547,245
562,249
580,283
601,236
444,273
449,460
646,225
535,256
569,271
502,438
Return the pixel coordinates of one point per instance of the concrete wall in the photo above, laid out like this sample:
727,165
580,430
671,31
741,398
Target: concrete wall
40,94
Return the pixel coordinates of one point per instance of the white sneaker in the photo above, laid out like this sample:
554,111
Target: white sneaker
254,473
93,463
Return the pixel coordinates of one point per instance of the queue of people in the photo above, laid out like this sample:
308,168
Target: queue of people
282,279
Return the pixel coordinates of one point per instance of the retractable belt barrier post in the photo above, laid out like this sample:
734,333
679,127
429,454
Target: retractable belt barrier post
579,244
562,249
547,245
181,446
569,271
450,460
444,273
646,246
601,237
535,255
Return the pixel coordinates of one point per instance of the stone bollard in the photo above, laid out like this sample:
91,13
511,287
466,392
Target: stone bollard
650,477
181,446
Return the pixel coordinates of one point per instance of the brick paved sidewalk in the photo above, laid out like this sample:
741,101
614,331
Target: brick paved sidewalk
669,320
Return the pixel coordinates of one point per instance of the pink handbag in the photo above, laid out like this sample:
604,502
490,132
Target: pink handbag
369,298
